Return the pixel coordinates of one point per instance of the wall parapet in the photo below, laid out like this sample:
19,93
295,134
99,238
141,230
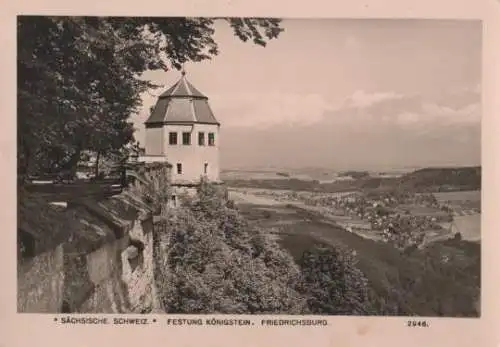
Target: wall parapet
94,256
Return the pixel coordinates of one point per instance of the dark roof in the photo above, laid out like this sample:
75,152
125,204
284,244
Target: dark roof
203,112
182,103
183,88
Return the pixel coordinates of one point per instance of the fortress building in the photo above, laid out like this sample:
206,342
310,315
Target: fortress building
183,131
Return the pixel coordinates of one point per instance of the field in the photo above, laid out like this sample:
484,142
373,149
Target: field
275,193
472,195
319,175
256,175
461,202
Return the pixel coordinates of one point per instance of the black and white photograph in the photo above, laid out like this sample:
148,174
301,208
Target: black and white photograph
249,166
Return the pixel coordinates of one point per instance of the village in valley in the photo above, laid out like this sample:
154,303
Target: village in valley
400,218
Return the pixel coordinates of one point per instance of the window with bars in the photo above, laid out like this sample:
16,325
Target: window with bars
172,138
211,139
186,139
201,139
179,168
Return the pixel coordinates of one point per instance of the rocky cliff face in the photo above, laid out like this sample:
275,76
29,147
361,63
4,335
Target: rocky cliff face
93,256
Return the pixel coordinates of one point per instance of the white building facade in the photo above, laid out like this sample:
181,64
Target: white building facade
183,131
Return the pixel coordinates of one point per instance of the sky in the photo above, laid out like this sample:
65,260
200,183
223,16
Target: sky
343,94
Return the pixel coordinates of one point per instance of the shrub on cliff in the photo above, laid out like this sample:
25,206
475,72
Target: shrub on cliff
217,263
333,284
154,188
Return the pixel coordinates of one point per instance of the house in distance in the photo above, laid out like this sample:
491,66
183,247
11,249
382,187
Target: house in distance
183,131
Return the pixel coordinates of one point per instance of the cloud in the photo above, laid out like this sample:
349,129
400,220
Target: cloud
352,42
363,99
468,114
380,129
407,118
439,115
362,112
266,109
453,107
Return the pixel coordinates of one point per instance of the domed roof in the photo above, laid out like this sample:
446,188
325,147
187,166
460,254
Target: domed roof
182,104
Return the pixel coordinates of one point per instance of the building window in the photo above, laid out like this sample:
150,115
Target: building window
201,139
179,168
172,138
205,169
186,139
211,139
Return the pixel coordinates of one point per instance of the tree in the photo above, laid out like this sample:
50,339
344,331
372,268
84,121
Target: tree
333,284
217,263
79,78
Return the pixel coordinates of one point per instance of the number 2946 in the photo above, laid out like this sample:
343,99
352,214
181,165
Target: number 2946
417,323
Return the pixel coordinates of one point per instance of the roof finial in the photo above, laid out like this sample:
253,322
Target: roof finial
183,71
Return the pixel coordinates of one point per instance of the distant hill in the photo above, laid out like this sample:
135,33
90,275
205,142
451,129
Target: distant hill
428,180
443,179
421,180
354,174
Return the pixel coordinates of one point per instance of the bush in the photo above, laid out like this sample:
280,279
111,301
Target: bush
217,263
333,284
213,261
154,188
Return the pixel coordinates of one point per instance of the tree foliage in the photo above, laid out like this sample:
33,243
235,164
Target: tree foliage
217,263
79,78
333,284
214,261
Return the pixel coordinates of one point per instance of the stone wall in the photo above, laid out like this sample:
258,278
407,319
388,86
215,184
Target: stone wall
40,282
40,239
160,246
99,260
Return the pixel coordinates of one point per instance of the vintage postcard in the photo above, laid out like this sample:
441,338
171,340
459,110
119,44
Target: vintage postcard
238,178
